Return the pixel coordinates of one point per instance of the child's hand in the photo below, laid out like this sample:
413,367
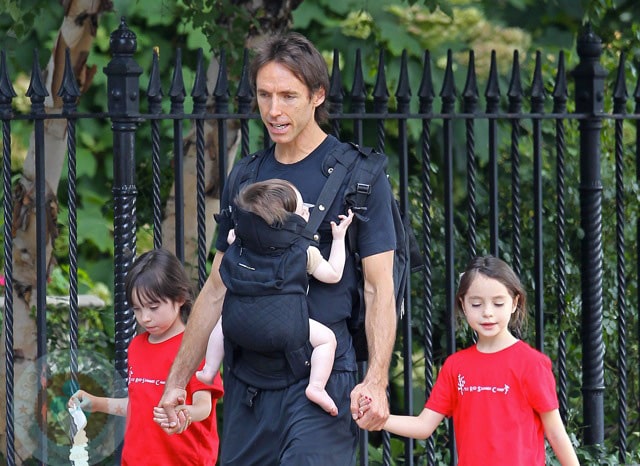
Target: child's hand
161,418
340,229
82,399
364,403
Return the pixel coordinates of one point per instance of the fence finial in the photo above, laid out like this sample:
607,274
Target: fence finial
426,92
123,40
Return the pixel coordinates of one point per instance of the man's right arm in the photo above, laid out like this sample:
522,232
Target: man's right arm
204,315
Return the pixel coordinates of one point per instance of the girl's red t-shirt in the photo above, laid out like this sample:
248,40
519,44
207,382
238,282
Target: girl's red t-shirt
144,441
495,400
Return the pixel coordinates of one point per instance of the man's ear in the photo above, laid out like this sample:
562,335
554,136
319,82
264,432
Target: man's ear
318,97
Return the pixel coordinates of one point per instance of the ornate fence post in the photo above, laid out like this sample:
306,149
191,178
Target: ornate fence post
589,78
123,93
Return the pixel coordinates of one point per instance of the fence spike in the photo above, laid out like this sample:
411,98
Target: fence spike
69,90
515,93
560,93
403,93
492,93
537,87
620,90
426,92
7,92
380,91
448,91
336,93
154,90
358,91
470,93
37,91
199,93
177,91
221,92
245,92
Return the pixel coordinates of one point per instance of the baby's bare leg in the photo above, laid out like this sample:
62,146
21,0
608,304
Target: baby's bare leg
215,353
324,347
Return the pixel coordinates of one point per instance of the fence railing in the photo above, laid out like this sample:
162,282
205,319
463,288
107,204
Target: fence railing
525,185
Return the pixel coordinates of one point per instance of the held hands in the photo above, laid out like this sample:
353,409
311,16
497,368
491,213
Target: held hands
339,230
369,406
161,418
364,404
171,413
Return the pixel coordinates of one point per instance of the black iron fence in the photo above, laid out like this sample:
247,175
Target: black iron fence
529,177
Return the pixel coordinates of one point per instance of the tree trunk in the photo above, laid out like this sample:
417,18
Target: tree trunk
77,33
212,184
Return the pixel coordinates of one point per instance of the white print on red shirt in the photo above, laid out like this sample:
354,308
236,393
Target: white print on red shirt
462,387
133,379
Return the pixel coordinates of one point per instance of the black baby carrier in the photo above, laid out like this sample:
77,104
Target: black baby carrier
265,318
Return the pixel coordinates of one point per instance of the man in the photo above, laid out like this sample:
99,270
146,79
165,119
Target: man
280,426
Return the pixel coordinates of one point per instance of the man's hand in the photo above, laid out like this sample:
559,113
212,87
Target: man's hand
380,325
171,399
372,413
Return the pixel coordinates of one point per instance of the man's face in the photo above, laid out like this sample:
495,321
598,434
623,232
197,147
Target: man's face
286,106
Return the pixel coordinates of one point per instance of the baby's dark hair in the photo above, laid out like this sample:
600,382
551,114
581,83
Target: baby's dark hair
158,275
273,200
497,269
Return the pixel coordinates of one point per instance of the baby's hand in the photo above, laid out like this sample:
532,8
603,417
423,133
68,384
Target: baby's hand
231,236
340,229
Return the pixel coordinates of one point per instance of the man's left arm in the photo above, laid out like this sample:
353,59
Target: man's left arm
380,327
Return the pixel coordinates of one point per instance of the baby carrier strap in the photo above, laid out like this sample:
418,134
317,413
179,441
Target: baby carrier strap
336,167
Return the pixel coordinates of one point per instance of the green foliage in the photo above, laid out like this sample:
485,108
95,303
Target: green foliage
556,23
96,326
225,24
17,18
598,454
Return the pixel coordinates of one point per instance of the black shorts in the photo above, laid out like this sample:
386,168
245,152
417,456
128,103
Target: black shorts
284,428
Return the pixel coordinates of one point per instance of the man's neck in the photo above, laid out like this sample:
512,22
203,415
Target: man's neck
300,148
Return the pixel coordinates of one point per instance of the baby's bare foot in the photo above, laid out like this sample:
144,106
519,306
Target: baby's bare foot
321,397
